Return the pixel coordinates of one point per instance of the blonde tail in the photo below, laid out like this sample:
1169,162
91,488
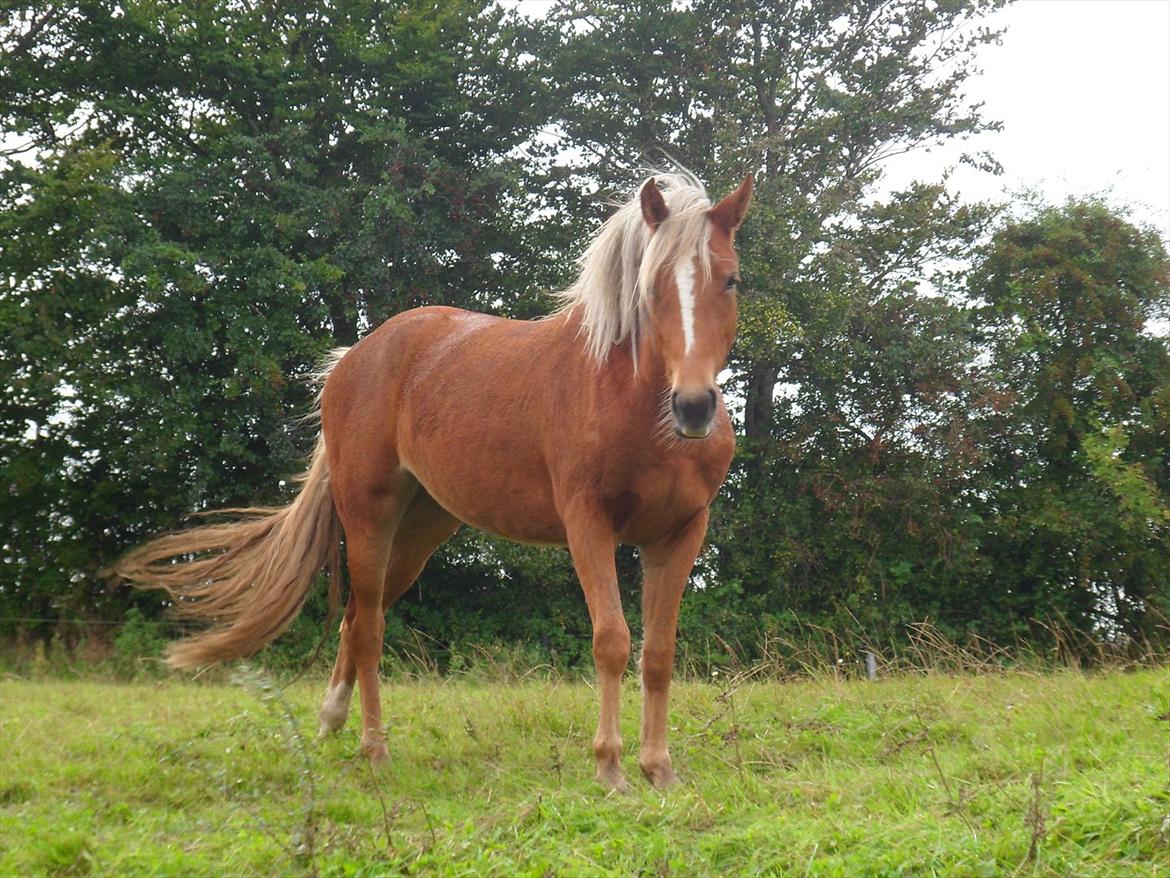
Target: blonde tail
251,576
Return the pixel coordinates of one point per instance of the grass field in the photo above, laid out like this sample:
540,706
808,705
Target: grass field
1059,774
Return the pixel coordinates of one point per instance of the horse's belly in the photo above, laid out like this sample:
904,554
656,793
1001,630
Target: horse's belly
467,430
492,483
505,510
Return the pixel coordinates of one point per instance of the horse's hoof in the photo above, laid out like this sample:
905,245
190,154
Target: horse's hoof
325,730
661,777
376,753
613,779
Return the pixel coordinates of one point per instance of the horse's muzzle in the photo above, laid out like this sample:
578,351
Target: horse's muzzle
693,412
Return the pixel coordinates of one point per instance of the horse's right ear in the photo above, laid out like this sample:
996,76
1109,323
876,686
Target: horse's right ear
654,209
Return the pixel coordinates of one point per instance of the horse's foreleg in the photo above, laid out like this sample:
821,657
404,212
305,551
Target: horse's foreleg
667,568
423,528
591,542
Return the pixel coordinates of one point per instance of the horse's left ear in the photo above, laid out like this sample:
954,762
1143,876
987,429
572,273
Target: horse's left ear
654,209
729,212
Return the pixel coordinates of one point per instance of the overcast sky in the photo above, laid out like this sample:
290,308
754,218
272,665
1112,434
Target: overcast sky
1082,88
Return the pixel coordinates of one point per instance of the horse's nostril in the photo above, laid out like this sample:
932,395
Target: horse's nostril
694,410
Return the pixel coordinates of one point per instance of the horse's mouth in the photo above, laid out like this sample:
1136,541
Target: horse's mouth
692,432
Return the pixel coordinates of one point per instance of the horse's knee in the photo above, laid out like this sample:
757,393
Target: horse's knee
365,633
611,646
657,666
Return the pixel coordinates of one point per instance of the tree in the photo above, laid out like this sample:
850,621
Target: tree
209,196
851,373
205,197
858,510
1079,515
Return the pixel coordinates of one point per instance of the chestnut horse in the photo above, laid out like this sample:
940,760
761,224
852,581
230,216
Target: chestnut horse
601,424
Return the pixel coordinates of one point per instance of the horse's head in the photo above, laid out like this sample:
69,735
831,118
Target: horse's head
693,311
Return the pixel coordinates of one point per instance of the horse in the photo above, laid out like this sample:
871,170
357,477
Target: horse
598,425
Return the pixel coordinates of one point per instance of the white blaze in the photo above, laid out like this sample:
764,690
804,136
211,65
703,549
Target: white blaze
684,279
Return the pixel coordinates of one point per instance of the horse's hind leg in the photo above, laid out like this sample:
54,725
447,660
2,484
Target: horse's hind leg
335,707
423,528
368,552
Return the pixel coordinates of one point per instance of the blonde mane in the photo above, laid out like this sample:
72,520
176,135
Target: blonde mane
612,290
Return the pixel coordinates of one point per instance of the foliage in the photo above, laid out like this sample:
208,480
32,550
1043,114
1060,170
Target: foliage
853,509
137,640
211,196
812,97
1078,522
946,412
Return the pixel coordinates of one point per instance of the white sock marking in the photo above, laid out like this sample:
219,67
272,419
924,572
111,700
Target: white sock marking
684,279
335,708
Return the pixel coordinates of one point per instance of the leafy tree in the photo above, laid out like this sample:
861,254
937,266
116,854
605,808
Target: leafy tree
208,197
1078,438
202,198
858,510
851,370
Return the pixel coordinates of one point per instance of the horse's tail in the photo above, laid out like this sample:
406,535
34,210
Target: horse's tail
250,576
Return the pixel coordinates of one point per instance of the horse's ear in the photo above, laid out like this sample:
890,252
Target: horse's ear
654,209
729,212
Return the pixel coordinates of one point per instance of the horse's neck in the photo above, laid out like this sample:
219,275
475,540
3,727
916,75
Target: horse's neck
635,369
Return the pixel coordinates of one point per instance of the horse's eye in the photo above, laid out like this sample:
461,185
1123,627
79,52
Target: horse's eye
732,281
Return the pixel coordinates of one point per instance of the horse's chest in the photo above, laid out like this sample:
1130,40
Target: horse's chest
657,499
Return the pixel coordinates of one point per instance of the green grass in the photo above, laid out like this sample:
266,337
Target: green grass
1060,774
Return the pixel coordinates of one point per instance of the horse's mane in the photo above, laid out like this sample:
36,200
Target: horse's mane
612,290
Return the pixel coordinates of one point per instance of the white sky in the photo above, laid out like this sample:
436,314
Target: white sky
1082,88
